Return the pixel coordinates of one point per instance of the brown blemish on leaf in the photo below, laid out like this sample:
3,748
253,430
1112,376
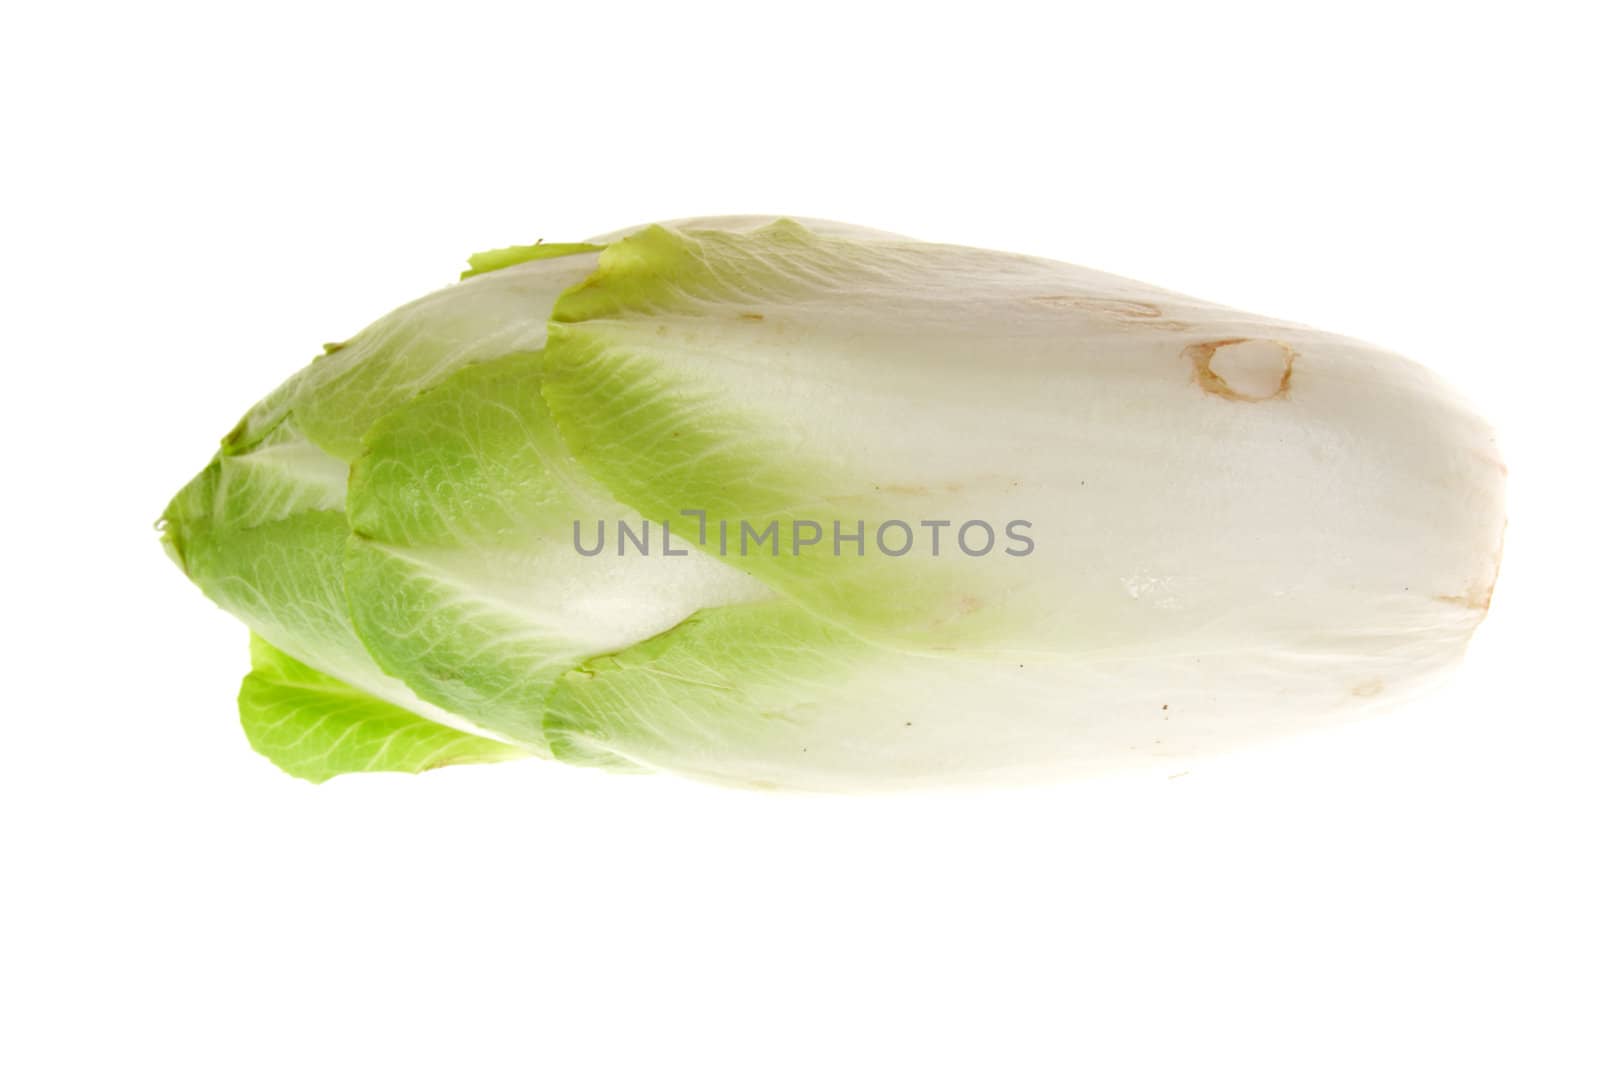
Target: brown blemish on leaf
1202,353
1476,599
1131,312
752,316
1494,575
1480,594
1368,689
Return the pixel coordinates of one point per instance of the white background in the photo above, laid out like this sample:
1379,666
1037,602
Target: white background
197,196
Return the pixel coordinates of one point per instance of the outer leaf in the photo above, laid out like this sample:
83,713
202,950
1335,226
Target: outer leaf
782,374
283,475
463,579
500,258
747,223
336,399
315,726
285,580
769,696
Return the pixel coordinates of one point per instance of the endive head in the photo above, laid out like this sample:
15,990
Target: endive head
870,511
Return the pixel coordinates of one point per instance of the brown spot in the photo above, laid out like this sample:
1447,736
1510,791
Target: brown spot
968,605
1494,574
1477,599
1368,689
752,316
1480,593
1251,370
1132,312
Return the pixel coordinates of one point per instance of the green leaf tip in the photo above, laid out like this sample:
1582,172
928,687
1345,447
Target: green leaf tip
500,258
316,727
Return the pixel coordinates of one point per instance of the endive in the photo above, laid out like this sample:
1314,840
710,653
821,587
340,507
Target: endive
803,505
